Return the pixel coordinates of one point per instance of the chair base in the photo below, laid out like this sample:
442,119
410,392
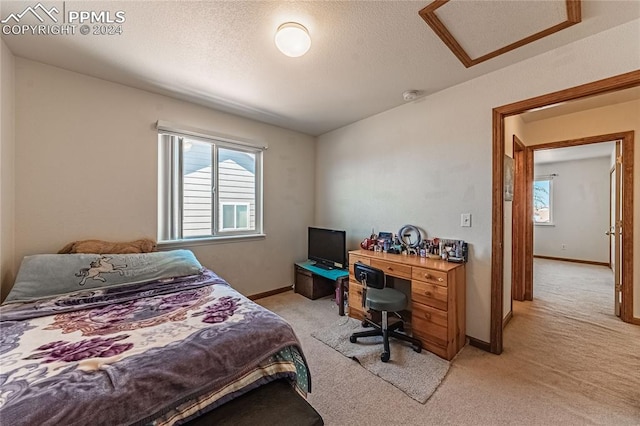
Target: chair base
386,333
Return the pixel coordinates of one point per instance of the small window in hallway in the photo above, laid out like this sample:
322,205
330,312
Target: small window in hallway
542,201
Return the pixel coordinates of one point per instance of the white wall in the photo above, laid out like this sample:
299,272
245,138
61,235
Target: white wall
7,147
86,167
428,161
610,119
580,211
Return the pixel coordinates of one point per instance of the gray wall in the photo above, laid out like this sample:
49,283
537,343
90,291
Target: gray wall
428,161
88,169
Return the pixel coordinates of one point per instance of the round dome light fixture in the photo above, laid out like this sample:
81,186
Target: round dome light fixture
410,95
293,39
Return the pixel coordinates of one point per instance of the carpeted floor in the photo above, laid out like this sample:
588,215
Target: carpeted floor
567,360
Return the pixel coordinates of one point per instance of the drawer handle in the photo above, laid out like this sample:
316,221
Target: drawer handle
427,293
427,315
389,268
431,277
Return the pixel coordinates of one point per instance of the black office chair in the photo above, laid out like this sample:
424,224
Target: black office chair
378,297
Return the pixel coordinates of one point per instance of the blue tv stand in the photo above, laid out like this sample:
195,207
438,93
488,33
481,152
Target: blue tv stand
314,282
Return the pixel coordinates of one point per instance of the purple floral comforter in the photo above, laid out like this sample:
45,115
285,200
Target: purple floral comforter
152,353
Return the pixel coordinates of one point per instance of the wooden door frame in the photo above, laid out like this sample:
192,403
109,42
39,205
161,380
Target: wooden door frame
619,82
519,213
611,178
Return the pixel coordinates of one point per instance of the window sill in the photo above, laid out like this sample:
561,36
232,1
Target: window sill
167,245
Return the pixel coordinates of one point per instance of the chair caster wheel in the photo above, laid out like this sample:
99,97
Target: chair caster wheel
365,324
417,349
352,339
385,356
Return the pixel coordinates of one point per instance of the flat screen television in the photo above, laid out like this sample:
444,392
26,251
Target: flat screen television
328,247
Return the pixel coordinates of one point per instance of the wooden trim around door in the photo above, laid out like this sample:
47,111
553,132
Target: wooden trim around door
519,212
611,178
627,138
619,82
528,229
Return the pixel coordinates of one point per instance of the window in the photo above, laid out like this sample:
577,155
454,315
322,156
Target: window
234,215
209,188
542,201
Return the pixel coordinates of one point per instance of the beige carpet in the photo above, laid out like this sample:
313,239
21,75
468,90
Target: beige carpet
416,374
567,360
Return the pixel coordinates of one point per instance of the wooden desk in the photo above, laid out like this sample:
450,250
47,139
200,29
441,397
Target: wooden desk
438,297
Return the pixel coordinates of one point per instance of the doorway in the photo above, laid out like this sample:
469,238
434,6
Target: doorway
620,82
572,200
523,253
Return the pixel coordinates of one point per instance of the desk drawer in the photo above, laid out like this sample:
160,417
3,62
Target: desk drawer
355,300
429,324
429,294
430,276
354,258
393,269
355,295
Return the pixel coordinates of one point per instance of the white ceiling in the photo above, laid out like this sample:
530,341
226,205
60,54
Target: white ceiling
581,152
221,54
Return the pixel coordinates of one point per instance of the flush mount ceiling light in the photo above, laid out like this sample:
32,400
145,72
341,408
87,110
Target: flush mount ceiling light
293,39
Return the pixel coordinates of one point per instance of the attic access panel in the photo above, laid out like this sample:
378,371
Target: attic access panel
486,29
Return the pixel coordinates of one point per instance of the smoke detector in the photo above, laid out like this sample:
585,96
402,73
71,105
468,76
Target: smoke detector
410,95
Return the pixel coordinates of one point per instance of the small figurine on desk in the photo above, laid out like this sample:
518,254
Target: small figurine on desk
369,243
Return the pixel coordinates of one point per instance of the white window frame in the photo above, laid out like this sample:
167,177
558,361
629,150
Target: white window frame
550,180
235,204
170,199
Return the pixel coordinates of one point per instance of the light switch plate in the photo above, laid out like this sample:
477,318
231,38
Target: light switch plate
465,220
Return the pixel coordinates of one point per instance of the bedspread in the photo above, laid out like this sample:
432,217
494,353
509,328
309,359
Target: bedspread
145,353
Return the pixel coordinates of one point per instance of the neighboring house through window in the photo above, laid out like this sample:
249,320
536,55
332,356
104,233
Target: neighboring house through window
542,201
208,187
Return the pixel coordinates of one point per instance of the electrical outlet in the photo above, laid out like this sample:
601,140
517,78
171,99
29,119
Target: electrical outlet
564,246
465,220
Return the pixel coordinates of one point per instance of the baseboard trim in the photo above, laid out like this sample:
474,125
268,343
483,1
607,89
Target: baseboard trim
269,293
588,262
635,320
506,319
480,344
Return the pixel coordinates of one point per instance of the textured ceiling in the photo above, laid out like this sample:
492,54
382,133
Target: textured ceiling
221,54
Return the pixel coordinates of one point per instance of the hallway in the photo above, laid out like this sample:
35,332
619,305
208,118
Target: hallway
572,339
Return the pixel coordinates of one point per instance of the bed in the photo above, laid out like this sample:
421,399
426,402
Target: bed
144,339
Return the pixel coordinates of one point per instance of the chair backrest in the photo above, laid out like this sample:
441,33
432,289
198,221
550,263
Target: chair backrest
368,275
